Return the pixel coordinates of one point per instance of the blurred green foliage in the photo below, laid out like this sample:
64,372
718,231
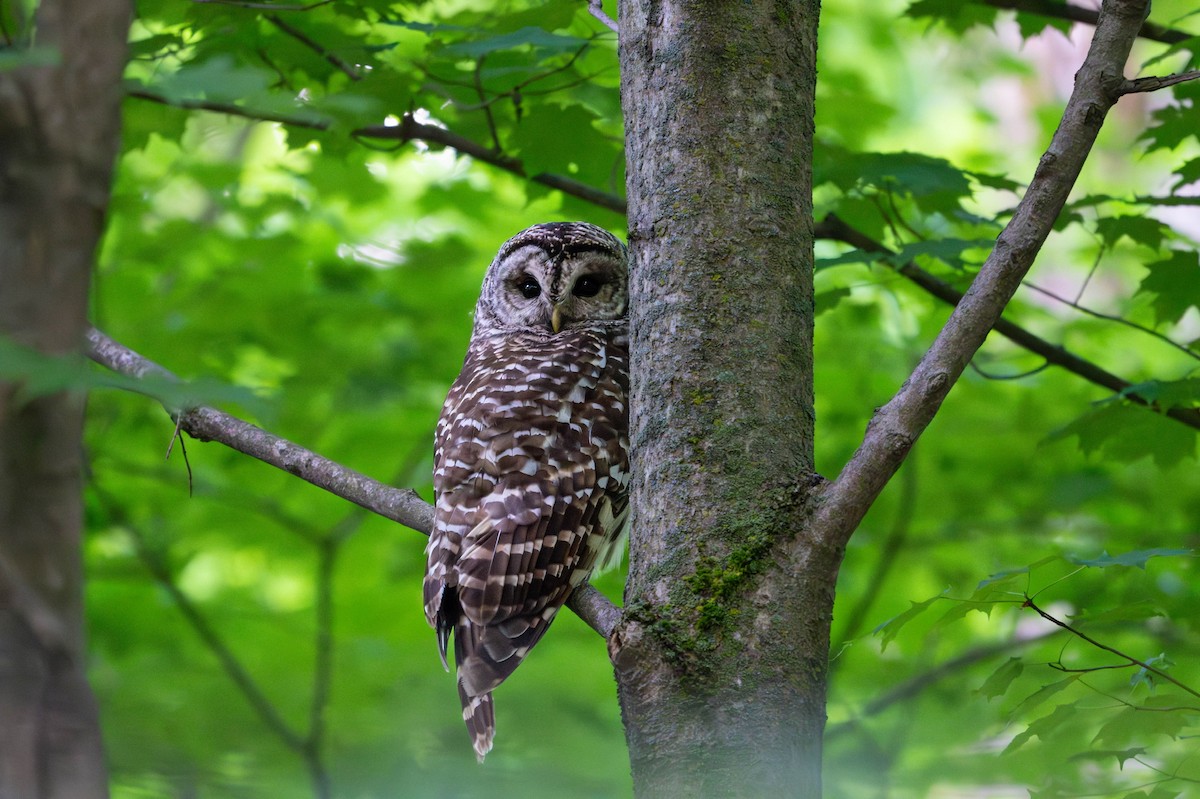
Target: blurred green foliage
330,277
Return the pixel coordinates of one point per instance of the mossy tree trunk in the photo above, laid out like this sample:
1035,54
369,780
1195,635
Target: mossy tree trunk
59,122
721,657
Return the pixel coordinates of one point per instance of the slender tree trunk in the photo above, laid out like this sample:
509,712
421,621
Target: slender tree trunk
59,122
721,657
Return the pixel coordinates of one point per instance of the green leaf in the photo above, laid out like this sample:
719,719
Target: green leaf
954,14
1038,697
1143,230
1121,755
1128,432
1187,173
525,37
1042,728
1136,558
827,300
892,626
1008,576
1177,123
1167,393
948,250
999,681
1175,284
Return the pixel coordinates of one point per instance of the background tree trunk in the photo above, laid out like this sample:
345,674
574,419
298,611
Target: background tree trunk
721,658
59,124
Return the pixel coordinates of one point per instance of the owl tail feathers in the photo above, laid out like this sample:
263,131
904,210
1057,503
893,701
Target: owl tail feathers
479,714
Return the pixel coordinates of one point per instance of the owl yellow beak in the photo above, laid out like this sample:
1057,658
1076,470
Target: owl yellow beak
556,319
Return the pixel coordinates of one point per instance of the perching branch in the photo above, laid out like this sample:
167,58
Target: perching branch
401,505
209,424
596,9
834,228
896,426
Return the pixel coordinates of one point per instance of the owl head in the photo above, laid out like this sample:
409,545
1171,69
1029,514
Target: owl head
552,277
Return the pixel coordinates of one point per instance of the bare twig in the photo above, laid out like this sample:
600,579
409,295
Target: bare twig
896,427
1153,84
300,36
596,9
1083,309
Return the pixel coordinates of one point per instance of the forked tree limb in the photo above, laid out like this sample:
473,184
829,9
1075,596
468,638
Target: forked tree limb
897,425
401,505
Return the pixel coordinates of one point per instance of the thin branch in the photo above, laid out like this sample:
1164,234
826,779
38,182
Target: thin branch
331,58
266,6
232,667
209,424
400,505
912,687
408,130
596,9
834,228
1048,8
896,427
595,609
1153,84
322,681
1134,661
312,122
1112,318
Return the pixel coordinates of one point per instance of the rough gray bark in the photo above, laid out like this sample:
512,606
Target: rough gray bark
721,656
59,126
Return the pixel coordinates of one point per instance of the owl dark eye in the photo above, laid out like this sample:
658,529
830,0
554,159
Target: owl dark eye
528,287
587,286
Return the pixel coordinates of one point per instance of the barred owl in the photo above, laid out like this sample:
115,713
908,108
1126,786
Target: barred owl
531,467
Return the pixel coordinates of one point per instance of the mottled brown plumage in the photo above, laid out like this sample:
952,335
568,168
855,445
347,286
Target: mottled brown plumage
531,463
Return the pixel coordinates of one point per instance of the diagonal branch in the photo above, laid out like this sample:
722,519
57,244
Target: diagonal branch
408,130
834,228
401,505
896,426
1088,16
209,424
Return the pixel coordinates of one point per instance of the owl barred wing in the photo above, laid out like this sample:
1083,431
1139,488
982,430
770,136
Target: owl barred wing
531,487
531,467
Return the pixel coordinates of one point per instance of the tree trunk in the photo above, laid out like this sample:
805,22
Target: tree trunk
59,123
721,657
